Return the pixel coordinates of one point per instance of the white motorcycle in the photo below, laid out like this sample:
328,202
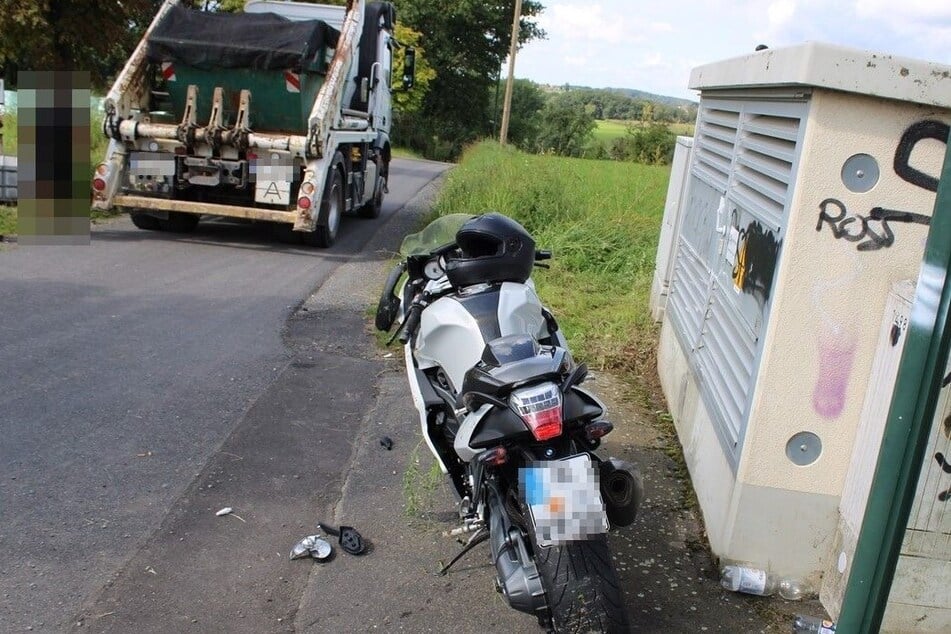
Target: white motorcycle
502,410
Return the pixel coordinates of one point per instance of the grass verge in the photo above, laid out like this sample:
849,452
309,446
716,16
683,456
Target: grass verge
419,484
8,221
602,221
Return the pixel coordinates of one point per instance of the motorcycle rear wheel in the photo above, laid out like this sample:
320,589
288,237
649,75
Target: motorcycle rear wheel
582,587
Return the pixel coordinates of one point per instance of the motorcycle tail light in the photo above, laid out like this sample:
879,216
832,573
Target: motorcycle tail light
540,408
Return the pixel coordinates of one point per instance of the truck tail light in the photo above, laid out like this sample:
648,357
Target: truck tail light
303,202
98,184
540,408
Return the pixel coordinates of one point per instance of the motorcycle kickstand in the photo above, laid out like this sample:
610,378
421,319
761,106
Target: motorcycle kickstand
477,538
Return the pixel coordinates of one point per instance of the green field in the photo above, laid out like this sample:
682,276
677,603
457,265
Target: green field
601,219
609,129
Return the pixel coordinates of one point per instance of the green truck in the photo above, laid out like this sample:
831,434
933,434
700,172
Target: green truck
281,113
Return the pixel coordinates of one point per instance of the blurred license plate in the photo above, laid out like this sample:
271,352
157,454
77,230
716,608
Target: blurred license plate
564,498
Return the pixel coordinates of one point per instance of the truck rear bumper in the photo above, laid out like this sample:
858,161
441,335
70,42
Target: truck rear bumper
161,204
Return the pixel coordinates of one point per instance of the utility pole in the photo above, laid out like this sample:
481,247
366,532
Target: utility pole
507,105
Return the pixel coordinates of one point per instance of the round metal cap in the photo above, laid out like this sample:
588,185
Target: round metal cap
321,550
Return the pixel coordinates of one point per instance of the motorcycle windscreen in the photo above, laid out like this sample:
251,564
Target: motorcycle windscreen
438,233
564,498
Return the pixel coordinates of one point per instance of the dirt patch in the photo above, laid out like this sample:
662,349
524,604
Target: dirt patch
670,578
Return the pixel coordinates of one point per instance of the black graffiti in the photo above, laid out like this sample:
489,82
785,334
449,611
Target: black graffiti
863,229
757,252
944,495
920,131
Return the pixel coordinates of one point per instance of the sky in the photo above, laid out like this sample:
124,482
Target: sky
653,45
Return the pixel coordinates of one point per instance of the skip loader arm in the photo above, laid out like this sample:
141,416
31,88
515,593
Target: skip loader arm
326,113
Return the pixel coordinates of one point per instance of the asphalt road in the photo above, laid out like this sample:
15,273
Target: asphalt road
148,380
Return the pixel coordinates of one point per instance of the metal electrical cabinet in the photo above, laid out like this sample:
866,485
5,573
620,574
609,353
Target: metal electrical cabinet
808,194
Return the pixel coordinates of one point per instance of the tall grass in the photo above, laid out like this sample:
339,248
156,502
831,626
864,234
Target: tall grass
9,132
602,221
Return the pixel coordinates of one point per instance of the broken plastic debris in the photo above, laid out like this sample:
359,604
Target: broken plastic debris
313,545
387,355
386,442
229,511
348,538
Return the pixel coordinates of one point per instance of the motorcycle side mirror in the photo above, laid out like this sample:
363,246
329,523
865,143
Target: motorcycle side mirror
575,377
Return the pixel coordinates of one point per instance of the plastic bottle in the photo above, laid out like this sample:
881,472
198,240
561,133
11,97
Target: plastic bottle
756,581
792,589
812,625
748,580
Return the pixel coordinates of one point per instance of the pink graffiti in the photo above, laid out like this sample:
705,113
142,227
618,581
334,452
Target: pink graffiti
835,368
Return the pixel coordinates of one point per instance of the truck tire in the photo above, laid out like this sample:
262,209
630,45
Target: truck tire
331,206
179,222
581,585
144,221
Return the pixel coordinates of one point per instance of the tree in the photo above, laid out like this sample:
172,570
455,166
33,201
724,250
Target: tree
565,129
466,42
527,101
652,144
92,35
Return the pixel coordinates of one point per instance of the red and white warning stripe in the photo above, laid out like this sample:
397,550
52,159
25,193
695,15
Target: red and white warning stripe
168,71
291,81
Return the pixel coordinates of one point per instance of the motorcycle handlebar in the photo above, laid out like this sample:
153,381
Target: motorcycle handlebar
411,324
542,255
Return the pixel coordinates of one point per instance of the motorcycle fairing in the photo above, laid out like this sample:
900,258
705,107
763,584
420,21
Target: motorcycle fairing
455,328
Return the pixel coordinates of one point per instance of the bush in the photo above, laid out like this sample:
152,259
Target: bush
565,129
652,145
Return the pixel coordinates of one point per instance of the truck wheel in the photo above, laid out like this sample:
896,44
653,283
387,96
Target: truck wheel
331,205
144,221
179,222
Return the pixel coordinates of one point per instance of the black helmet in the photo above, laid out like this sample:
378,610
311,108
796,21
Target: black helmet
494,248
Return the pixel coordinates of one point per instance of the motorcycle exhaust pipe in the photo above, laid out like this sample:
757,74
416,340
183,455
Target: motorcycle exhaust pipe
622,490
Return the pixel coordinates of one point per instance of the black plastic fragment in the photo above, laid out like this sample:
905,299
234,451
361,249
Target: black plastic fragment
327,528
351,541
386,442
348,537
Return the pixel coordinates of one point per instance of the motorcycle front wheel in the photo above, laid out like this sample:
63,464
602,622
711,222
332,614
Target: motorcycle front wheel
582,587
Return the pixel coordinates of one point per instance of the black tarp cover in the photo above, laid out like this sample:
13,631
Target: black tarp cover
261,41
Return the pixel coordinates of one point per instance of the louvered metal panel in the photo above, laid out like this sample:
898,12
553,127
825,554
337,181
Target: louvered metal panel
689,290
715,145
766,149
728,353
740,187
